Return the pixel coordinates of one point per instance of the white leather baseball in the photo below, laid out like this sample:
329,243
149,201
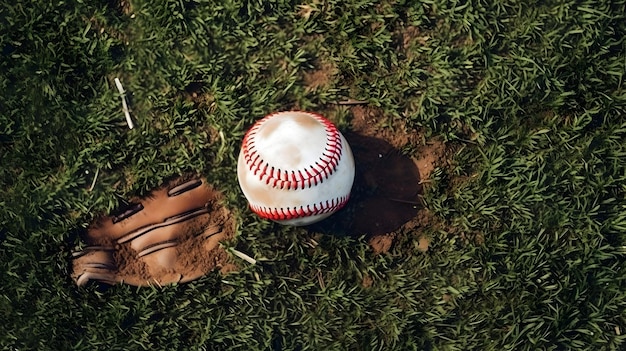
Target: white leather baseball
295,168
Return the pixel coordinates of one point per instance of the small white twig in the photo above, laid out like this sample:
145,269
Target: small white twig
350,102
95,177
244,257
120,88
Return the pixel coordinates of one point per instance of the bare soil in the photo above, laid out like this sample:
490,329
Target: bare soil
386,197
321,77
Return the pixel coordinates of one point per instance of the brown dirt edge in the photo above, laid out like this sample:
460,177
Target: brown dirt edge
386,203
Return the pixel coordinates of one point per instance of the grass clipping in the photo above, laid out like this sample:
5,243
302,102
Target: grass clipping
170,236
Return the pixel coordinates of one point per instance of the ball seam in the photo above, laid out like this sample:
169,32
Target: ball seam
311,175
287,213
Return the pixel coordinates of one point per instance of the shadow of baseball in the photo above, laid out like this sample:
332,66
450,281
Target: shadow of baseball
385,194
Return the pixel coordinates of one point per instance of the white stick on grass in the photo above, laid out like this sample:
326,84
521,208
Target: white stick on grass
120,88
243,256
350,102
95,177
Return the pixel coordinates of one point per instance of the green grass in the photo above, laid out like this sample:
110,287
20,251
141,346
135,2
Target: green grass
539,87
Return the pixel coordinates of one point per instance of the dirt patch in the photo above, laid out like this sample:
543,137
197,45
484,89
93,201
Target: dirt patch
372,122
430,156
413,230
422,244
387,186
427,154
412,34
393,165
123,6
305,11
367,281
321,77
170,236
382,242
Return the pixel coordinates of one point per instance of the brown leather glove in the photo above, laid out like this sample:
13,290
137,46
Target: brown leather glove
170,236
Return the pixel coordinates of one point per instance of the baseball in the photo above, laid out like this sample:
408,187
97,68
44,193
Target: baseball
295,168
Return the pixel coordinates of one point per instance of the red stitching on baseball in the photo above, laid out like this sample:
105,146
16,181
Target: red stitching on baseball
286,179
286,213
